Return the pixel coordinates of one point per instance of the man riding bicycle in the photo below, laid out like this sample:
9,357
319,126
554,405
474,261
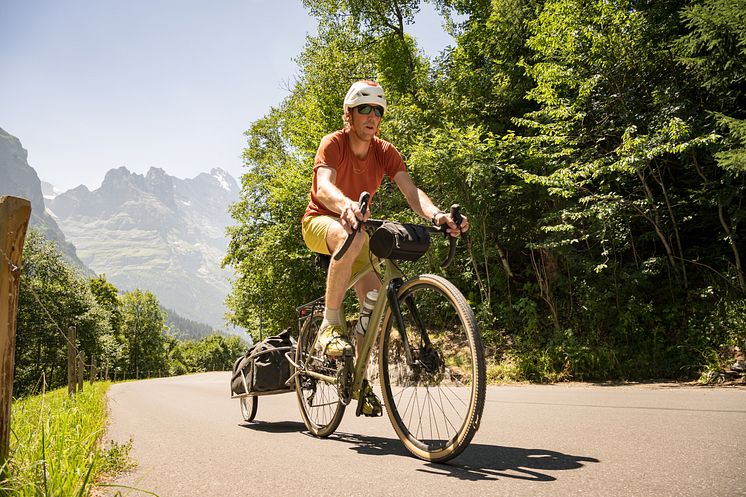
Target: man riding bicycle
348,162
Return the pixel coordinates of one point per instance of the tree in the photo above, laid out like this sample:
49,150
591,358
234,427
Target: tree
714,53
112,345
212,353
144,328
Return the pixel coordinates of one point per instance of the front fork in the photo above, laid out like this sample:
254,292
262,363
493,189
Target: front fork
426,356
392,291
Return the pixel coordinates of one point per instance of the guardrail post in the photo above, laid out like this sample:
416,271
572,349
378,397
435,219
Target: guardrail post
14,217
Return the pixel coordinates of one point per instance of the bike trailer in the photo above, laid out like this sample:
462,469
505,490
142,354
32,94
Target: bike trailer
264,369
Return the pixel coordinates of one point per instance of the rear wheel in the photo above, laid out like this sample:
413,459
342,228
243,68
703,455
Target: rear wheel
435,398
248,408
319,402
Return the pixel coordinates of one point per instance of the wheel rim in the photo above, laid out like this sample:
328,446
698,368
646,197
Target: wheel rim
432,403
248,407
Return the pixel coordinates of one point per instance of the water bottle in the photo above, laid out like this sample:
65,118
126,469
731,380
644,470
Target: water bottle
365,310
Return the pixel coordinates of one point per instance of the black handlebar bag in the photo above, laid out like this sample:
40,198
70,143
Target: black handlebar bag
400,241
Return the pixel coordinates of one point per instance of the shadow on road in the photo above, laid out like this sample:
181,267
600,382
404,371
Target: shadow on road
479,461
274,427
490,462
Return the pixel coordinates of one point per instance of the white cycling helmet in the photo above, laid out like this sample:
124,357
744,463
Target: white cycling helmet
365,92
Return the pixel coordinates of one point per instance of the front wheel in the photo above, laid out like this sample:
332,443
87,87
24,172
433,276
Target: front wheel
319,402
434,394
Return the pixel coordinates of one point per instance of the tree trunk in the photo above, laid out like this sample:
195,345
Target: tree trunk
543,279
728,232
656,220
733,246
675,226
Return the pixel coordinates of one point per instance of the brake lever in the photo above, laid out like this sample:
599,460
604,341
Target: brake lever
456,216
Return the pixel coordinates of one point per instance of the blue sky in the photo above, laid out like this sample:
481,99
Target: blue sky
92,85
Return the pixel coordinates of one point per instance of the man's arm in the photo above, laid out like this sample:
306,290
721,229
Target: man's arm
422,205
334,200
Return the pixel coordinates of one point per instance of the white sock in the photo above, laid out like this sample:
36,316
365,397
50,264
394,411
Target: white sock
331,317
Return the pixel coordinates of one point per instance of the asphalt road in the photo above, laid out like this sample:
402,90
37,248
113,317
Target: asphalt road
570,439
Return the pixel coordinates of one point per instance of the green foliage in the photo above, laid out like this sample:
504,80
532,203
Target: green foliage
113,348
55,443
212,353
597,147
115,458
52,298
714,52
184,328
125,334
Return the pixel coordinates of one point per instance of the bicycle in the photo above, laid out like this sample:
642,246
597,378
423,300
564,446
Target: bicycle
430,361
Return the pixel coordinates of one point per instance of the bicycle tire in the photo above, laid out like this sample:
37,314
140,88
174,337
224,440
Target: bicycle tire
451,366
321,415
248,408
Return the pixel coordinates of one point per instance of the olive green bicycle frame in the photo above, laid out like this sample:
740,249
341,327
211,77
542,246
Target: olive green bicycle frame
391,272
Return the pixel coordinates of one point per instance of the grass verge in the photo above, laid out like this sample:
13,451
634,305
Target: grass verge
55,444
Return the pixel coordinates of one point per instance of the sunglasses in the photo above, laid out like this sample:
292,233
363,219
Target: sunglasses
365,109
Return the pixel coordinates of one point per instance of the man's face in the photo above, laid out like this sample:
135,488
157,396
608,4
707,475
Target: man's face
365,125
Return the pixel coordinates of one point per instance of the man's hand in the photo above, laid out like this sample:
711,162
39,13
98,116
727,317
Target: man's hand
351,215
453,230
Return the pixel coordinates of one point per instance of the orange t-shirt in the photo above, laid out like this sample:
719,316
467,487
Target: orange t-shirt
354,175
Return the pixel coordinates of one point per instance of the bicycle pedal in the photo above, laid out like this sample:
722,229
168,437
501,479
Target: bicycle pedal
374,408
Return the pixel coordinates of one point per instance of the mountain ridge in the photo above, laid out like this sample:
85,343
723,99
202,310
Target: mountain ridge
21,180
170,214
158,232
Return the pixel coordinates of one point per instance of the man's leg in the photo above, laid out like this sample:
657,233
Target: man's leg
338,276
324,234
371,403
367,283
339,272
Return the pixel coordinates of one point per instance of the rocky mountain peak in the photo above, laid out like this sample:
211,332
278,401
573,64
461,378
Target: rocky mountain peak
225,180
18,178
158,232
161,185
117,176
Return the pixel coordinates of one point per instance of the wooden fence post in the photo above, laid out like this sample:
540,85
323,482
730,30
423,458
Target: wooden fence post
93,370
14,217
81,370
72,355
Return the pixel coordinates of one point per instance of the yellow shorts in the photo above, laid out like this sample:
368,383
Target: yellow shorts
314,234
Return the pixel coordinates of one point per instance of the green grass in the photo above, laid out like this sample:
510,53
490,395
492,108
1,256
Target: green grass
55,444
